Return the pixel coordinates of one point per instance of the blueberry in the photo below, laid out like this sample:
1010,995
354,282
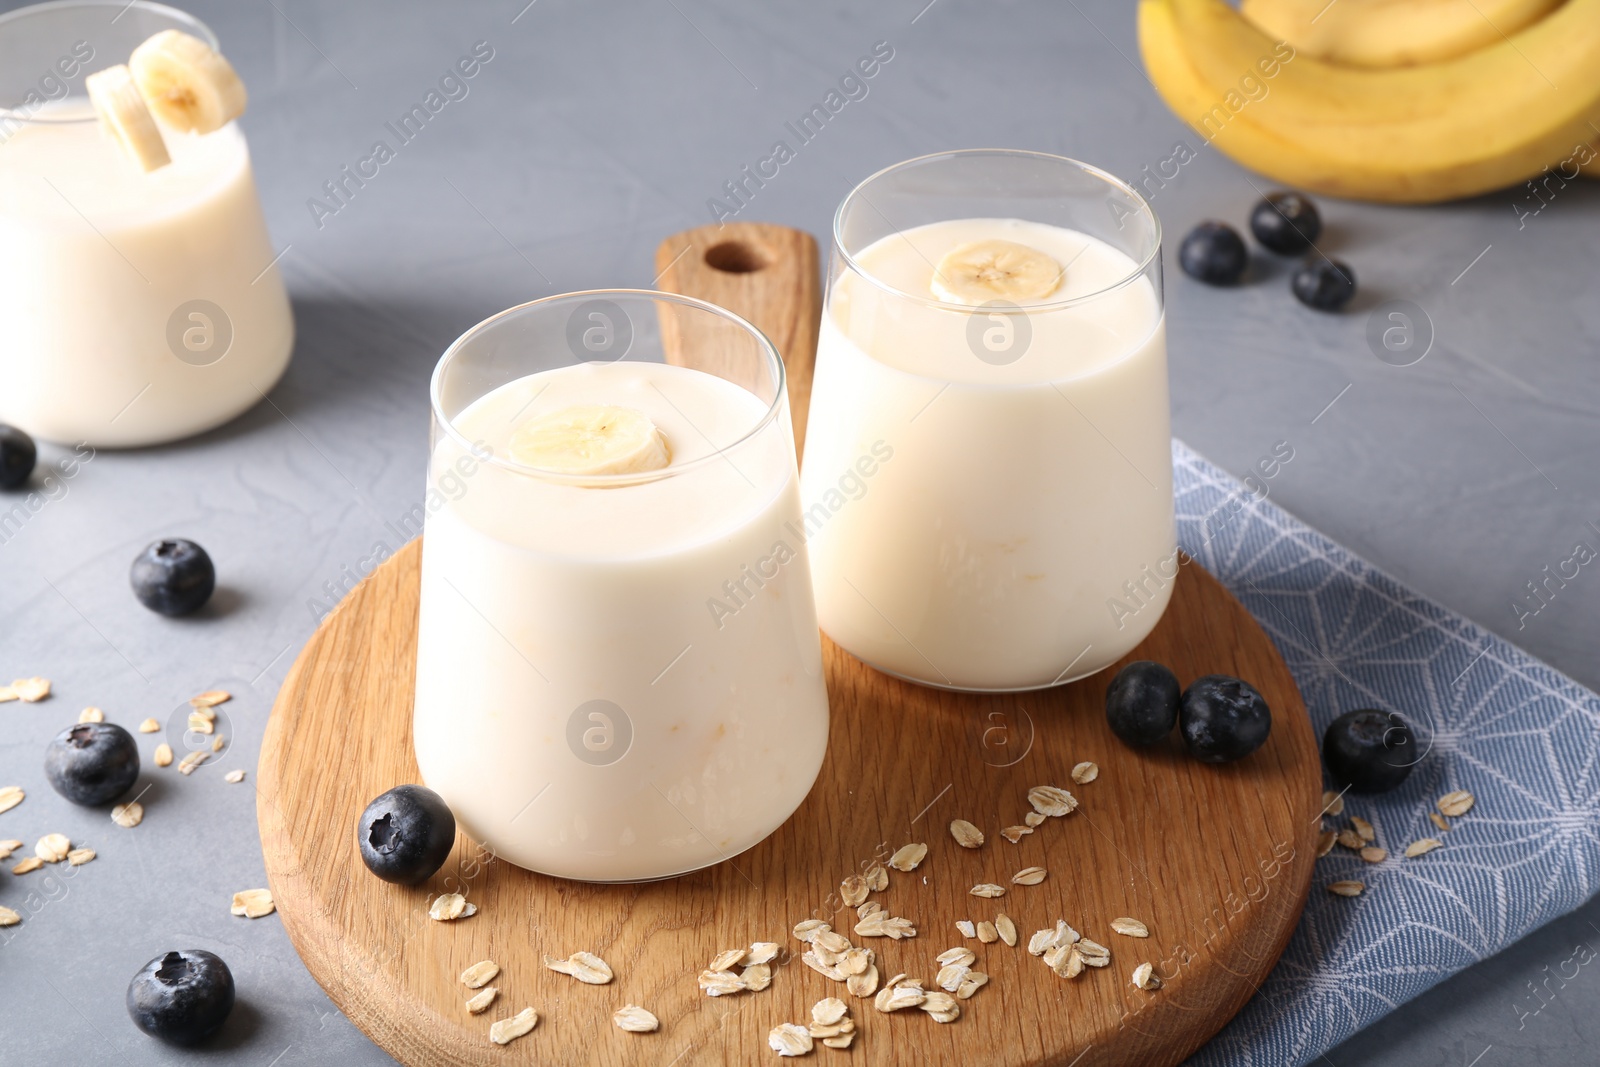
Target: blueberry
17,456
92,762
1369,750
1324,284
1223,719
1213,253
406,834
181,997
173,577
1285,223
1142,703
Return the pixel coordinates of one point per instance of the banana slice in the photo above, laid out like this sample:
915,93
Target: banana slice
120,107
591,439
189,84
982,271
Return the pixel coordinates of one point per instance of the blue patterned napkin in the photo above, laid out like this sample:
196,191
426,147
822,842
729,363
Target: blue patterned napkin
1521,737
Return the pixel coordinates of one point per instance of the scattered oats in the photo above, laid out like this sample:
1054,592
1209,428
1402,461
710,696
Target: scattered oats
1029,876
841,1041
1332,803
7,694
210,698
1364,828
1040,942
31,690
1144,977
1052,801
960,955
896,997
505,1031
727,961
951,975
877,878
871,907
217,743
480,974
856,961
789,1039
447,906
1065,960
32,863
9,846
1015,834
479,1002
1129,927
853,889
1454,804
635,1020
1325,843
974,981
1346,888
91,714
1439,821
756,977
163,755
761,952
1351,840
53,848
806,929
879,926
1085,772
987,889
1006,929
966,927
987,933
193,760
829,1010
253,903
8,917
906,857
721,983
1033,818
201,724
1094,954
966,834
832,940
586,967
1422,846
941,1007
203,713
234,777
864,984
1374,854
10,796
827,970
149,726
79,856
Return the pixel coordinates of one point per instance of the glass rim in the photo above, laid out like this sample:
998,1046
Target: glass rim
1140,268
191,23
764,346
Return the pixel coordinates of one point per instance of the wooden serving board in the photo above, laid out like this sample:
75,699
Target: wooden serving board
1215,859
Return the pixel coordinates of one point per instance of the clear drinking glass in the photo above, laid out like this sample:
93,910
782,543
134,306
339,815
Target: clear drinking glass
619,675
988,481
135,307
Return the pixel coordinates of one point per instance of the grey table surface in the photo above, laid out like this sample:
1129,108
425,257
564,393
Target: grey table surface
595,130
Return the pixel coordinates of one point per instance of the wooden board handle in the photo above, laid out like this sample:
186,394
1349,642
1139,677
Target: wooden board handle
766,273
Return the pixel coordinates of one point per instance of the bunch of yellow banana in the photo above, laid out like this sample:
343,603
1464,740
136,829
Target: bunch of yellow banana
1405,101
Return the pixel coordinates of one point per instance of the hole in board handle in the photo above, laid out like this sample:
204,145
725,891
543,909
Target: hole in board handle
735,257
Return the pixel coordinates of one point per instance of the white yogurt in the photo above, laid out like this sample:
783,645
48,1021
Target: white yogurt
1023,492
683,603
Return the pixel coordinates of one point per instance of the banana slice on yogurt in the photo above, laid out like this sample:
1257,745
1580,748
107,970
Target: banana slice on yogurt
125,115
982,271
591,439
189,84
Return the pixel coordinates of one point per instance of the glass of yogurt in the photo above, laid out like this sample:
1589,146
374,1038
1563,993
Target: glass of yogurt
619,672
140,299
988,472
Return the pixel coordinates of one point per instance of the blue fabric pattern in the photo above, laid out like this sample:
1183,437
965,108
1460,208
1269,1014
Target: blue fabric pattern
1519,736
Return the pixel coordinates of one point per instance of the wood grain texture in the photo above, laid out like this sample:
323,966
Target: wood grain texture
1217,860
